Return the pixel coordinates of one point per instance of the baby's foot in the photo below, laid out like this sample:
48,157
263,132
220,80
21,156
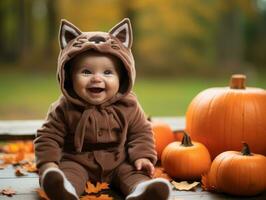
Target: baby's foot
56,186
155,189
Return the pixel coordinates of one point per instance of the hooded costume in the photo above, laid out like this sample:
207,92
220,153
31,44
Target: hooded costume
96,142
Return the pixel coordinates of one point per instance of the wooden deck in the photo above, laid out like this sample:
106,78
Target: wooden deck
26,186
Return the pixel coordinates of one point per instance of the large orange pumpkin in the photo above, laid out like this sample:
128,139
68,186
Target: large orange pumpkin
221,118
163,135
238,173
186,160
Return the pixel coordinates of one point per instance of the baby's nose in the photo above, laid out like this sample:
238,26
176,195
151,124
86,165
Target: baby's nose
96,78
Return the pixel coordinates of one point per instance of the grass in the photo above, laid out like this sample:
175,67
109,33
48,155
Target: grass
28,96
162,97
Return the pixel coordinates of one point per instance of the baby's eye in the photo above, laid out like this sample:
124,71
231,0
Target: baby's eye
107,72
86,72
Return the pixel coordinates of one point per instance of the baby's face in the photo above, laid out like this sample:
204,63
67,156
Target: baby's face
95,77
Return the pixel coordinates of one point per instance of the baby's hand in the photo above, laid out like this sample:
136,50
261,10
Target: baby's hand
144,163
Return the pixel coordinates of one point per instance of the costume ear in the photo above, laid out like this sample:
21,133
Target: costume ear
67,33
123,32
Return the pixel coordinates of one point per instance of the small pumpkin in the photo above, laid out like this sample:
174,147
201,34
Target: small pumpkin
221,118
163,135
238,173
186,160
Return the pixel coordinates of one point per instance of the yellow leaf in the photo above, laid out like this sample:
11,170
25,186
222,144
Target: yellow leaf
30,167
205,183
184,185
3,166
90,188
160,173
8,192
93,197
20,172
42,194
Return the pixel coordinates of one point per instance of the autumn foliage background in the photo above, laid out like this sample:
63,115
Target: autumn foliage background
203,41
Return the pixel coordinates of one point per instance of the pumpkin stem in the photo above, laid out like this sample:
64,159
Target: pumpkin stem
238,81
245,150
186,140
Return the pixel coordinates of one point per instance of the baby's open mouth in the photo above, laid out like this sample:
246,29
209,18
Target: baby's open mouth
96,90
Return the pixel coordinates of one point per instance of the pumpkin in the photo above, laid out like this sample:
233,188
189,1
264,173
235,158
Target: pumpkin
163,135
186,160
221,118
238,173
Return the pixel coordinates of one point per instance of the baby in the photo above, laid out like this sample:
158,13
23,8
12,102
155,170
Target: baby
97,131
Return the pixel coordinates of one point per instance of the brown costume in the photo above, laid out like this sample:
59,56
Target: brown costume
89,142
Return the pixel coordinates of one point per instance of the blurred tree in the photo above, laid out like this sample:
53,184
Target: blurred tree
10,33
90,15
256,36
203,36
230,32
169,36
27,31
174,35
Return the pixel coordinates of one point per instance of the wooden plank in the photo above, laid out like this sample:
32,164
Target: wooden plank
26,129
25,188
26,185
31,196
204,195
19,127
9,173
29,127
20,185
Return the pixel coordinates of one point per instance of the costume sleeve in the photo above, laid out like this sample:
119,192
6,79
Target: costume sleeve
140,139
50,137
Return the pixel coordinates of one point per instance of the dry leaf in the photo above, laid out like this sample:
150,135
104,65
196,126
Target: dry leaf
20,172
90,188
19,146
184,185
205,184
160,173
3,166
94,197
13,159
17,158
30,167
42,194
28,157
8,192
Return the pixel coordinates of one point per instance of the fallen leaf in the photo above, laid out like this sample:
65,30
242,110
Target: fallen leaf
30,167
20,172
3,166
160,173
90,188
8,192
205,183
28,157
184,185
13,159
42,194
18,146
94,197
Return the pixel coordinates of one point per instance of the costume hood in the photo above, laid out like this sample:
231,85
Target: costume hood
117,42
